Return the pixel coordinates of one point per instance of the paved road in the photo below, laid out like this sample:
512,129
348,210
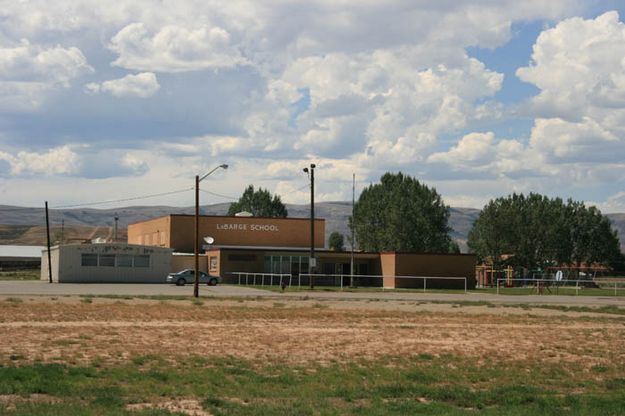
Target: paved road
8,288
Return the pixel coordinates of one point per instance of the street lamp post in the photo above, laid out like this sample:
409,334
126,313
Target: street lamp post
311,262
198,179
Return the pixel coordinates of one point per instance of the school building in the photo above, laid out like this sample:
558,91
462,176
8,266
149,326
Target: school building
247,245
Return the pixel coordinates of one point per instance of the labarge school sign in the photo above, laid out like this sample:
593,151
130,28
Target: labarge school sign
248,227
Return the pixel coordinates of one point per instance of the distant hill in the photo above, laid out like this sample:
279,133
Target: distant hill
26,226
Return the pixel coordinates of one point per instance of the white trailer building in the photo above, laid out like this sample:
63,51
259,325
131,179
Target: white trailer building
107,263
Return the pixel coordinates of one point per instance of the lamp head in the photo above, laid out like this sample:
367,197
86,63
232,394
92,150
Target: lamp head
224,166
312,165
306,170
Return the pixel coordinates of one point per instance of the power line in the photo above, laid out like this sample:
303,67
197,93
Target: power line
220,195
124,199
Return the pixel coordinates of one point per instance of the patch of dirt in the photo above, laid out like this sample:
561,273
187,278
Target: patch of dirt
298,331
188,407
10,401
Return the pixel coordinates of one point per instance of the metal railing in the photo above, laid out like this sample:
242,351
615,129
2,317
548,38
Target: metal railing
541,285
259,279
335,280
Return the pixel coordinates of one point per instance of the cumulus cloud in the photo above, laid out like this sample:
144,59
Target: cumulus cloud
26,62
614,203
382,100
578,66
58,161
270,89
142,85
174,48
28,71
472,149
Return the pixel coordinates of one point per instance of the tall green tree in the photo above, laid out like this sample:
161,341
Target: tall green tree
260,203
538,231
592,238
401,214
336,241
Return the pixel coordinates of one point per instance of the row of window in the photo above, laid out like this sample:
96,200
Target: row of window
286,264
114,260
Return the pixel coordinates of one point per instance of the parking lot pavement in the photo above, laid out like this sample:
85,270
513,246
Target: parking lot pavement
120,289
10,288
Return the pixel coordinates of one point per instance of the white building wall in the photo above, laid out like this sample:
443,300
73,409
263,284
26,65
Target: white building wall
107,263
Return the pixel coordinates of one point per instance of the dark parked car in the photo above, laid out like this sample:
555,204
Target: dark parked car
185,276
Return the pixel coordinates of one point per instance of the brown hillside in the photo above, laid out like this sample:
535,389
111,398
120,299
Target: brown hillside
36,235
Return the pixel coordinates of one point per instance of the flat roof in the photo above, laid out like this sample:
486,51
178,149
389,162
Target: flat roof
21,251
228,216
298,249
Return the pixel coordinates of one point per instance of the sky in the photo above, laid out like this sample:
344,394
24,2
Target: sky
106,104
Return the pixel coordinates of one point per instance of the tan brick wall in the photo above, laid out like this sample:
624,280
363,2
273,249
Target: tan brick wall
187,261
177,232
441,265
154,232
387,266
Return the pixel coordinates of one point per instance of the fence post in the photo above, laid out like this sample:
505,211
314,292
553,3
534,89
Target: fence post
465,285
577,288
497,286
614,288
424,283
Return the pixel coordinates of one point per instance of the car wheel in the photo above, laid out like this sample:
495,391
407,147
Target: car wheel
181,282
212,282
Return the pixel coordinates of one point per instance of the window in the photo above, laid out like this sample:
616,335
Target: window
106,260
142,261
123,260
213,263
88,259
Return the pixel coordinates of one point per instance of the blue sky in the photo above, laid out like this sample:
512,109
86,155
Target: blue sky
477,98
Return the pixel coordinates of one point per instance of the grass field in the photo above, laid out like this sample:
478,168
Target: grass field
20,274
109,356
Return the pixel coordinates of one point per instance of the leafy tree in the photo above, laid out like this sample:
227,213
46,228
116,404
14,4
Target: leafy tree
539,231
401,214
454,247
260,203
336,241
592,238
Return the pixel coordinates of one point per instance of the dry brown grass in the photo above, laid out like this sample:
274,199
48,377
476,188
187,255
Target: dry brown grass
112,331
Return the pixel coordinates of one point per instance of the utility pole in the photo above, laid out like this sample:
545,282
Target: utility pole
351,283
196,240
115,227
312,262
196,281
49,254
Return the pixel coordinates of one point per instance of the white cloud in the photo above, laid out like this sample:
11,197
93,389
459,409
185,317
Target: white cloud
382,100
175,49
614,203
312,81
142,85
26,62
28,72
57,161
472,149
578,66
563,141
